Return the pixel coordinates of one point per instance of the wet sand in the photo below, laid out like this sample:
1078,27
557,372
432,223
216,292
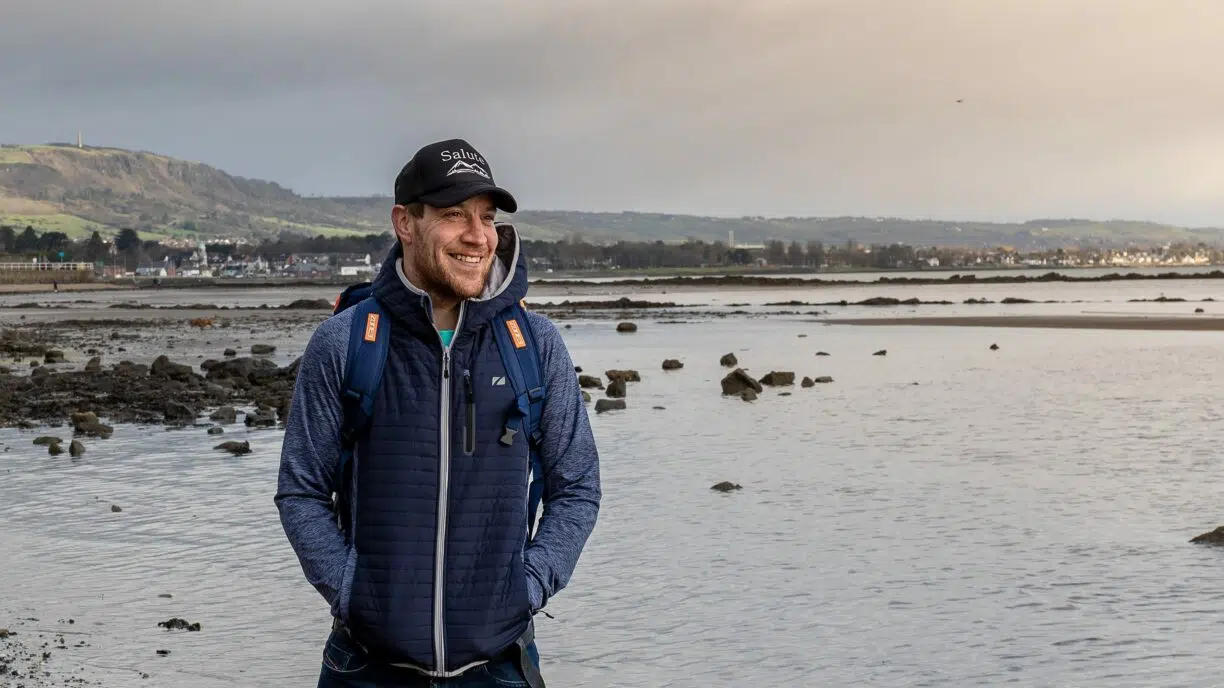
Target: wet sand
1197,323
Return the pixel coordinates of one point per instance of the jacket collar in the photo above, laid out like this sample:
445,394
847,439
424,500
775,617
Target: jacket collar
411,306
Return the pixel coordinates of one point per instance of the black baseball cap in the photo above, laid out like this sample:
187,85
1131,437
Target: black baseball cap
448,173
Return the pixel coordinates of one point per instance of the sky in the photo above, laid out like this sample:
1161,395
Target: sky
953,109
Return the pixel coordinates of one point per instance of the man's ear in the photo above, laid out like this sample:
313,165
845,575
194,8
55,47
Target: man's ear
401,222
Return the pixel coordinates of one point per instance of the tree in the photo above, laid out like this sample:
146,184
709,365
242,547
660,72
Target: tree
128,241
27,241
775,252
53,242
8,239
794,254
815,254
95,248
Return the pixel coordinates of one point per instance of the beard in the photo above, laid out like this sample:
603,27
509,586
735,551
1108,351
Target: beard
442,283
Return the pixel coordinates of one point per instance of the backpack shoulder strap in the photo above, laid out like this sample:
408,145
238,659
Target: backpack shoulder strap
367,353
521,357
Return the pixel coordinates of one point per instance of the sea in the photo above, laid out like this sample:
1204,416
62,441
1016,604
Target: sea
946,514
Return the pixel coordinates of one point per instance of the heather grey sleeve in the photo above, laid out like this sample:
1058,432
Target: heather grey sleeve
309,457
571,467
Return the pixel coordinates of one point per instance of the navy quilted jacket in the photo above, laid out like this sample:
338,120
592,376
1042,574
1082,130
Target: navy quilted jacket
437,575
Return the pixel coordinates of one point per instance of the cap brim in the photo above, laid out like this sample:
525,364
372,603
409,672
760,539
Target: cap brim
455,195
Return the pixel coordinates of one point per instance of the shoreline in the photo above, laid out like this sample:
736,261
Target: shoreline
1190,323
716,281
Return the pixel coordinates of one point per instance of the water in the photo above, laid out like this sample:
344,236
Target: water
1017,516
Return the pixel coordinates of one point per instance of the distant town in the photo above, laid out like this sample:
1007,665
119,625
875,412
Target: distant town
358,257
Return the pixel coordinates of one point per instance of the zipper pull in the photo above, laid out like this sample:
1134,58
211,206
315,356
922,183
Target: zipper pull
469,420
445,365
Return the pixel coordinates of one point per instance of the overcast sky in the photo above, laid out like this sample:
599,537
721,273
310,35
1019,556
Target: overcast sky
1087,108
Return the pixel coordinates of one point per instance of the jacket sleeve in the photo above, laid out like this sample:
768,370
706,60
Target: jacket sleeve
571,468
309,457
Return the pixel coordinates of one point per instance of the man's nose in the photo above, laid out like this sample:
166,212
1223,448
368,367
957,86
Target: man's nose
473,231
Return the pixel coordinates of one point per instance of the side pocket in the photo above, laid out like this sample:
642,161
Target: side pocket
341,657
346,584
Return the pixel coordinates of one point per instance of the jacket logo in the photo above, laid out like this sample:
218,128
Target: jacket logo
499,381
371,331
516,334
462,167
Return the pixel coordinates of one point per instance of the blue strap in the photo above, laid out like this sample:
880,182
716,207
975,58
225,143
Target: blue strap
522,365
367,353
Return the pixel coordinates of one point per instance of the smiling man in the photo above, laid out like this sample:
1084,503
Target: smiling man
429,562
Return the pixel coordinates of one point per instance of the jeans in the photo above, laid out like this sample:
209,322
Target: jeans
346,666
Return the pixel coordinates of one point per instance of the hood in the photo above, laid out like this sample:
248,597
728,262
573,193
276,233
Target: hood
507,284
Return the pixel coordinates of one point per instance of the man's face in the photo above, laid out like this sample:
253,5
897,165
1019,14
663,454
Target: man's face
449,251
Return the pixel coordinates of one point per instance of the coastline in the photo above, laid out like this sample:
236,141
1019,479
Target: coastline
1191,323
595,284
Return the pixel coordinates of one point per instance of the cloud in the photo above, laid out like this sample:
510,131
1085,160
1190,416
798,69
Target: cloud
1103,109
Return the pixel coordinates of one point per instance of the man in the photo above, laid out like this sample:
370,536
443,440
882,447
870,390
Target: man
436,579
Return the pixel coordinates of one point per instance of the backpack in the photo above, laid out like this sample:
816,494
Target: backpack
369,340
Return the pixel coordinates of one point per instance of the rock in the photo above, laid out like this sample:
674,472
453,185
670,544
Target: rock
1199,310
235,448
76,448
309,304
616,389
94,365
626,327
55,449
807,382
180,413
163,367
1215,537
590,382
823,380
726,486
262,418
748,395
739,380
115,508
822,353
262,349
659,408
228,353
784,394
994,347
54,356
241,368
776,378
802,336
47,440
586,397
728,360
178,624
225,415
625,375
881,352
216,430
99,430
672,364
602,405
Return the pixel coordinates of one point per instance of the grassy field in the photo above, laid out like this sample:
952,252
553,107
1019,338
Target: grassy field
75,227
316,230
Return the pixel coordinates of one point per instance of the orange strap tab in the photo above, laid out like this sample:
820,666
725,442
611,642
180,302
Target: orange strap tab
516,334
371,331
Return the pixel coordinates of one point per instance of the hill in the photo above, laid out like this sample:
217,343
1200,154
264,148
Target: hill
60,187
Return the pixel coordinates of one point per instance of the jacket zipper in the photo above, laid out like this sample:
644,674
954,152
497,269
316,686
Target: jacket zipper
439,610
469,425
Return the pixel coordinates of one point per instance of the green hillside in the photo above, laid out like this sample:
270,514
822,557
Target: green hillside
75,190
